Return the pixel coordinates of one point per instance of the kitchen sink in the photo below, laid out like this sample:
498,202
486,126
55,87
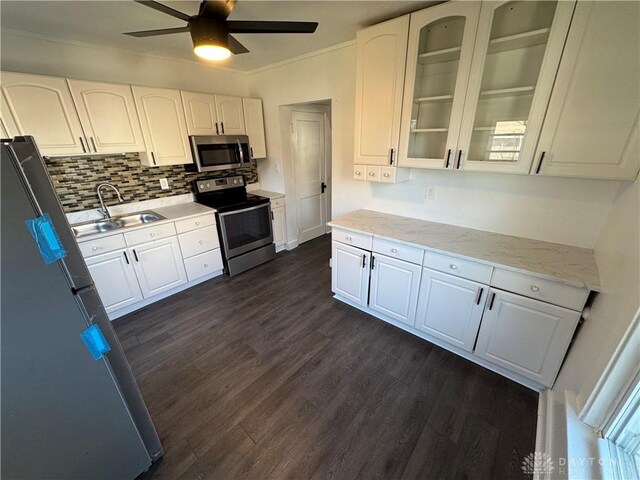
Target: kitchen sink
115,223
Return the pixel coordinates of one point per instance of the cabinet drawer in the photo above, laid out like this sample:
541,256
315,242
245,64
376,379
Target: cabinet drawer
150,234
198,241
540,289
192,223
388,174
101,245
458,267
203,264
373,174
277,203
397,250
359,172
360,240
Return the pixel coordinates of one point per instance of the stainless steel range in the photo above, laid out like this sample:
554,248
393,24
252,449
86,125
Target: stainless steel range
244,222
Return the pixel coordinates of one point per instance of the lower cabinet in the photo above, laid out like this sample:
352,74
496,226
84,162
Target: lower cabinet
159,266
394,287
115,279
450,308
350,272
526,336
279,227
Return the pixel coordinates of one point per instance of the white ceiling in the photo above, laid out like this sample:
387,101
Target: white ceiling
103,22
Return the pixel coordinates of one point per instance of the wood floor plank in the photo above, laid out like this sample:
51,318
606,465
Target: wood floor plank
266,376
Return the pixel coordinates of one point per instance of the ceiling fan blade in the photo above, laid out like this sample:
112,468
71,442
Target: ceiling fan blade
216,8
154,33
236,47
251,26
164,9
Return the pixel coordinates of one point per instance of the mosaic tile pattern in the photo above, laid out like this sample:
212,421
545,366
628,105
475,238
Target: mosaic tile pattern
76,178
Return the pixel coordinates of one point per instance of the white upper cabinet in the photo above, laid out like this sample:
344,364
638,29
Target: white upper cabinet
43,108
381,56
200,111
441,43
516,55
230,115
591,127
108,116
254,123
163,126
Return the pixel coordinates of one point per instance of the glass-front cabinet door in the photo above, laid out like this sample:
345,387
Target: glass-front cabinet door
441,40
517,52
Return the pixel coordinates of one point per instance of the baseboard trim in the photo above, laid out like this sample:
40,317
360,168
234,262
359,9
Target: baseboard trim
292,244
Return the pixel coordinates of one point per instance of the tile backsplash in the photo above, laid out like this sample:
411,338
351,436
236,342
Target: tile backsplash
76,179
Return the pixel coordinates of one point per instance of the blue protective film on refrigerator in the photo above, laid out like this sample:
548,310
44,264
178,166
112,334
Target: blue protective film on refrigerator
44,233
95,342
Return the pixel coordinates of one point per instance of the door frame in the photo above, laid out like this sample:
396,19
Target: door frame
292,212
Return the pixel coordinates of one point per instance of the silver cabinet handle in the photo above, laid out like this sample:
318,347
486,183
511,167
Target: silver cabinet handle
152,234
94,145
206,265
201,242
386,175
394,250
94,248
535,288
197,223
349,238
453,266
358,173
82,144
371,174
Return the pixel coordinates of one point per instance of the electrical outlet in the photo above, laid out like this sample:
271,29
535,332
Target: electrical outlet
164,184
430,192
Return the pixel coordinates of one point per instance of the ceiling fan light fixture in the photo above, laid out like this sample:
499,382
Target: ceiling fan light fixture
212,52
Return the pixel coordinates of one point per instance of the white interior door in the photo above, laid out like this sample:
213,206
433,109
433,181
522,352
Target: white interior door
309,158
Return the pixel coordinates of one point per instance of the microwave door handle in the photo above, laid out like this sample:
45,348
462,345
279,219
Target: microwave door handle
241,152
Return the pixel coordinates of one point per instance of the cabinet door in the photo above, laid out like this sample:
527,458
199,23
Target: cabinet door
382,51
516,56
42,107
230,115
254,123
525,336
163,125
438,62
394,287
159,266
279,237
591,127
350,272
108,116
450,308
200,111
115,279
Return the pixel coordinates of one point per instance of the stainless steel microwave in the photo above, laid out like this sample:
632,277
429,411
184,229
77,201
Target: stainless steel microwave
219,152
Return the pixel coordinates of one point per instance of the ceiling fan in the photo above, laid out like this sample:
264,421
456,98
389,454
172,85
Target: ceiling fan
210,30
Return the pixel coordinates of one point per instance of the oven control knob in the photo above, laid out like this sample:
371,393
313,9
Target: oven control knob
235,181
201,186
208,185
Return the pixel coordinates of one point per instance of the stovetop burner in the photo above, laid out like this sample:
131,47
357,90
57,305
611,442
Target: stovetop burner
226,194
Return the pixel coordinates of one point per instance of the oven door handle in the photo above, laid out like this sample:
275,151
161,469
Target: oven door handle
243,210
240,151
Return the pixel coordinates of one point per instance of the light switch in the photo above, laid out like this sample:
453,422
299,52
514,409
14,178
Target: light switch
430,192
164,184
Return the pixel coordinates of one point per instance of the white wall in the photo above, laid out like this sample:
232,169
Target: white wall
618,259
29,53
560,210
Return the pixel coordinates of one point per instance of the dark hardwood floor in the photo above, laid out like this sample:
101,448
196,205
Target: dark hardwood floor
265,375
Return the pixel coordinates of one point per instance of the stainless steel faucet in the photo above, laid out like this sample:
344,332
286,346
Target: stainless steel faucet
103,207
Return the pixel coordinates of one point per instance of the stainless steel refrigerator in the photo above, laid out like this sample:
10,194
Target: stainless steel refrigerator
64,415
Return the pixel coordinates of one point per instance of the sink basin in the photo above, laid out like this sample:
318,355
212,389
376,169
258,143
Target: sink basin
136,219
114,223
93,228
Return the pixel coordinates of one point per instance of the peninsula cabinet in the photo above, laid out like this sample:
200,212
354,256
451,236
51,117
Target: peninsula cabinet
525,336
230,115
108,116
163,126
42,107
516,56
591,128
439,55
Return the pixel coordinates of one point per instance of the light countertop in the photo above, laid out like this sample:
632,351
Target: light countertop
268,194
564,263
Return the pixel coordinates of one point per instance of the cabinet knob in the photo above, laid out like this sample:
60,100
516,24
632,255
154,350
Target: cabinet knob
394,250
94,248
201,242
358,173
349,238
197,223
453,266
386,175
206,265
534,288
152,234
371,174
